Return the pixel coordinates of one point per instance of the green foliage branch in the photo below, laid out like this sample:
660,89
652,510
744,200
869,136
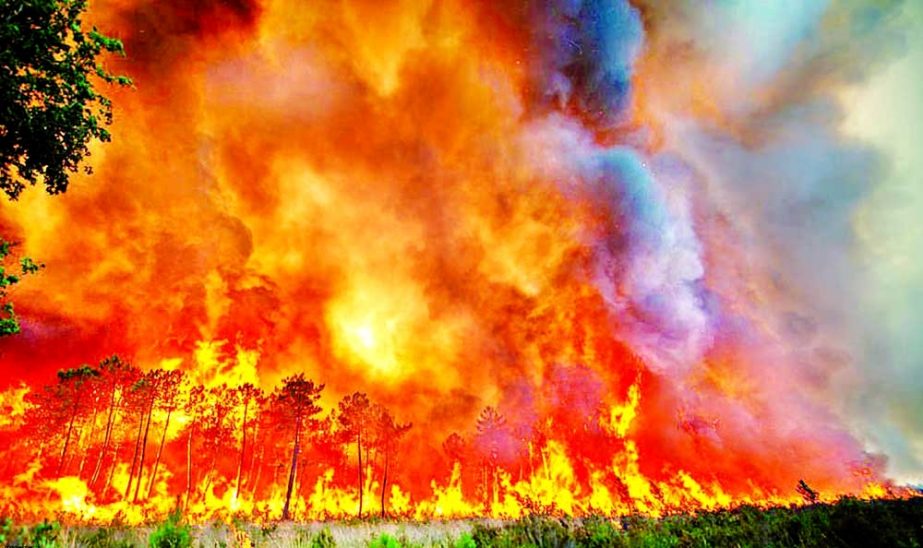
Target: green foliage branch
50,109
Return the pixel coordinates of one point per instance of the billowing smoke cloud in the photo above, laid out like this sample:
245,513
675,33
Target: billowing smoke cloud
886,112
752,98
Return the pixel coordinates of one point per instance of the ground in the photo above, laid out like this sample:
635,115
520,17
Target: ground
849,522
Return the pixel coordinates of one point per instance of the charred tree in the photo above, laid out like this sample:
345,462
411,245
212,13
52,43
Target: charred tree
247,395
491,439
295,405
354,415
141,393
388,434
71,383
117,377
170,385
193,408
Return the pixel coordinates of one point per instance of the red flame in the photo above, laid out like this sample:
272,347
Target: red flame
368,194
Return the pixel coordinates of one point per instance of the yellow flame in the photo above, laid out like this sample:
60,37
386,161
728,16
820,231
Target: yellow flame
13,405
622,415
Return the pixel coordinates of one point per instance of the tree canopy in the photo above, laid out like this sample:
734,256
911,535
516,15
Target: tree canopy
50,108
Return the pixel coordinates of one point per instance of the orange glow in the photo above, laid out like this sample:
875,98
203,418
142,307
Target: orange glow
384,198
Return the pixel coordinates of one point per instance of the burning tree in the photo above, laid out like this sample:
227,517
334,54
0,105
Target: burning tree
371,427
193,407
216,428
295,403
157,387
58,409
170,384
89,413
455,448
116,378
354,420
249,396
388,436
492,441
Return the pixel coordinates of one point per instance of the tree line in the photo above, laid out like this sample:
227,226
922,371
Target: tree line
94,420
131,435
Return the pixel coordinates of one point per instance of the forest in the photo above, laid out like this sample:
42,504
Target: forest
103,422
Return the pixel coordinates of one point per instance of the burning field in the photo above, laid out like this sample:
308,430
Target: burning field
476,259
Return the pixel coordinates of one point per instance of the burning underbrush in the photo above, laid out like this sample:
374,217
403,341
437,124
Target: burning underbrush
113,444
465,258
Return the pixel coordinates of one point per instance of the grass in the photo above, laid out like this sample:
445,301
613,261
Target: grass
171,533
850,522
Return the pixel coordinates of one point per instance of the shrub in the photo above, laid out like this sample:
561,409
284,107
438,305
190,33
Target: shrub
599,532
170,534
530,531
385,541
40,535
465,541
6,530
323,539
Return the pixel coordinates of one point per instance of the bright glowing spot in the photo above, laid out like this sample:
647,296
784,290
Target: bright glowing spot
366,336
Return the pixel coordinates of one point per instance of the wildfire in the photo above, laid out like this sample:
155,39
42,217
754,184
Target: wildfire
496,472
418,259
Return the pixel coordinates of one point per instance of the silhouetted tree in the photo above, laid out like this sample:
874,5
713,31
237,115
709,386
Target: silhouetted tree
71,383
248,396
116,378
193,406
143,394
388,436
51,107
354,420
456,448
491,440
169,386
295,405
809,495
217,426
263,426
57,409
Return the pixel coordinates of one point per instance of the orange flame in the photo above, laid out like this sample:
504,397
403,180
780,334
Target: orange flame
372,195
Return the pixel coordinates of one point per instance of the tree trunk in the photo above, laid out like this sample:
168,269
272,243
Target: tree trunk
359,450
147,428
67,438
243,447
76,447
251,465
106,440
163,438
188,466
89,443
255,481
291,474
384,483
134,456
209,475
111,473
